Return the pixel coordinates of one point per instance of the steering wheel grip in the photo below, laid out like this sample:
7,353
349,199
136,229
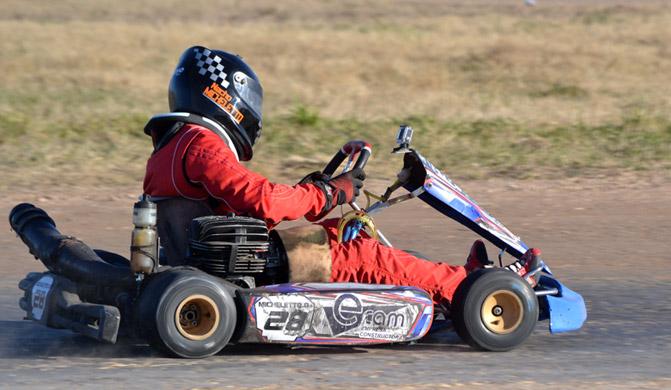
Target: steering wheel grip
352,147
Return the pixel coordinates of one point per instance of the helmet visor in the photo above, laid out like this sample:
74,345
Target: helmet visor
250,91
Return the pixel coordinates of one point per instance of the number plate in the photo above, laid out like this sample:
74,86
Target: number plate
40,293
283,317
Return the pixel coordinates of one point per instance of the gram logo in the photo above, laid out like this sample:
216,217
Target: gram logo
347,310
383,317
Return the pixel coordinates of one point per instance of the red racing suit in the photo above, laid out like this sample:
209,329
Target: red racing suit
197,164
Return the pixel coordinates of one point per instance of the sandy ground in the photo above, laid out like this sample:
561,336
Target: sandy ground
608,239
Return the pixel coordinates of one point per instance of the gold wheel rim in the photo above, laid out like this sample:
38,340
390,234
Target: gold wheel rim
502,312
197,317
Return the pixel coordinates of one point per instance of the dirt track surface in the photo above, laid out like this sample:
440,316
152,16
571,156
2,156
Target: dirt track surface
607,239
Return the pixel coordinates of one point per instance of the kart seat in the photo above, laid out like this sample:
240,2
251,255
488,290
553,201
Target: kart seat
173,221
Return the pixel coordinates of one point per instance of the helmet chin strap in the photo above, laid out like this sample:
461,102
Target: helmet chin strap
186,117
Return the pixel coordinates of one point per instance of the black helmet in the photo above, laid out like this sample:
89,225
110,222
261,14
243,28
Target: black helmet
222,87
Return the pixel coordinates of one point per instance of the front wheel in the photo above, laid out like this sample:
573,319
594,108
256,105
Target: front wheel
494,310
186,313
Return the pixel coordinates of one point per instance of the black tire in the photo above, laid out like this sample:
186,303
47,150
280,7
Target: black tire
185,313
494,310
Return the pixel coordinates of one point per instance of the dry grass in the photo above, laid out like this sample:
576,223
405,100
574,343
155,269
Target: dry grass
79,78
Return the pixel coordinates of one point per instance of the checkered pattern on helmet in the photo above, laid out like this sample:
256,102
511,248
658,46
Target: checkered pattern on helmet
209,63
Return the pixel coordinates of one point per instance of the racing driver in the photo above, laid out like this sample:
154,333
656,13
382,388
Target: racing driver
215,101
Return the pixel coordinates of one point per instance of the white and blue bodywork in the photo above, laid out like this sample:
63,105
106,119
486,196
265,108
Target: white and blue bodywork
564,308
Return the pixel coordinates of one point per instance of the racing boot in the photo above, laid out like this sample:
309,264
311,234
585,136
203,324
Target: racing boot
528,266
478,258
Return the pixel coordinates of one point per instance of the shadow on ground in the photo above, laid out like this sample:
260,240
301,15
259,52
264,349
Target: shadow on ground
26,339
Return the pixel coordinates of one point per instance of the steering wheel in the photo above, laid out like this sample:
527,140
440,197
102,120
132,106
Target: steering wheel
349,150
354,221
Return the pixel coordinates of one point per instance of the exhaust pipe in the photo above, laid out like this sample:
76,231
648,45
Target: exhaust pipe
64,255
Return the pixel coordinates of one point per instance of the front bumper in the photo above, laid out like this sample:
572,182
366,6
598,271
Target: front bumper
565,310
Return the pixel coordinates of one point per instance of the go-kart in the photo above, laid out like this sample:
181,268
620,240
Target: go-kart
232,286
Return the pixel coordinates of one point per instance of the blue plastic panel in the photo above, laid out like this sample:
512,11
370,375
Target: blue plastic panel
566,310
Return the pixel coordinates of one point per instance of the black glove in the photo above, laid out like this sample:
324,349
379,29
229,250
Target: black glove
339,190
314,177
346,186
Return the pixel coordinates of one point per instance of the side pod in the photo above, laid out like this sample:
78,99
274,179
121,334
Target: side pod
335,314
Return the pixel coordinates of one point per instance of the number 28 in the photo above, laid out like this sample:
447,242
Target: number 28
278,320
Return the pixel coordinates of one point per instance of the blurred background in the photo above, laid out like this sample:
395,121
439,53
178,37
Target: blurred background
554,114
564,88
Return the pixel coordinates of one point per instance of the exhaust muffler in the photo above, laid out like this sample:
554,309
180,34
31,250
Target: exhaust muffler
65,255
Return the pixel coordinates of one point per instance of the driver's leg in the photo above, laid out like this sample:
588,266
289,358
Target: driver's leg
365,260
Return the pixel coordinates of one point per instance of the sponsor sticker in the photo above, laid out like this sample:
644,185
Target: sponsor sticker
40,293
348,315
283,317
223,99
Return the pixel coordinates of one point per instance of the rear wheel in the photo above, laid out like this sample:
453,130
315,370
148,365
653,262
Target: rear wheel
494,310
186,313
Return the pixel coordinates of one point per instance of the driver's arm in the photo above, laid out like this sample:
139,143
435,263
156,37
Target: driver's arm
210,163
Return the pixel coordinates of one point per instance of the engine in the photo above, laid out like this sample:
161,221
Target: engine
240,249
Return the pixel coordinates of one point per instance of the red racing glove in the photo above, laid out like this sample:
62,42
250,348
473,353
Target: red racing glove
346,186
342,189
